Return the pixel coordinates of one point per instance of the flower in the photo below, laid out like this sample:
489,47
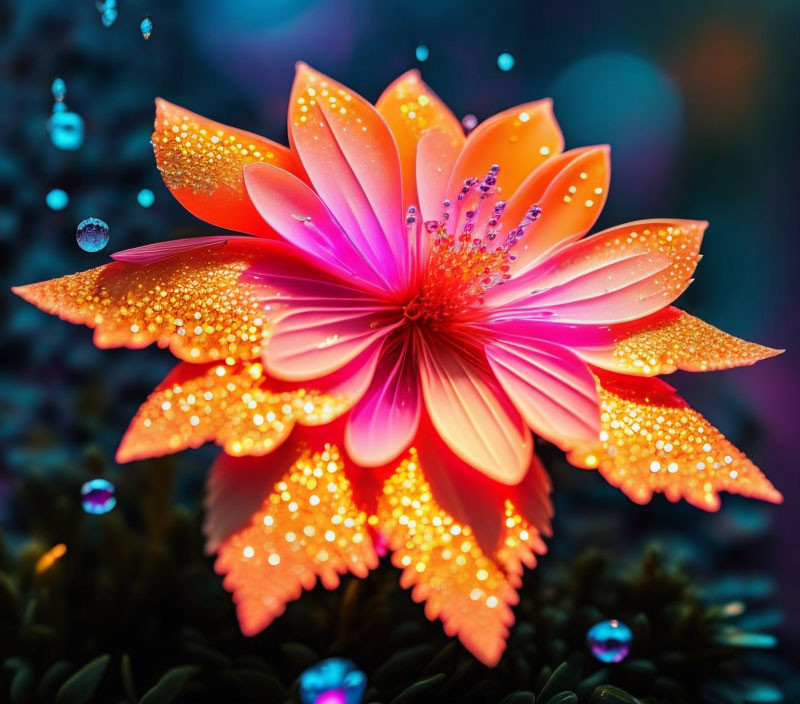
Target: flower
406,306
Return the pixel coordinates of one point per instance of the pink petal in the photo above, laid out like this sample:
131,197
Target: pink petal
473,415
302,219
385,421
352,161
161,250
551,387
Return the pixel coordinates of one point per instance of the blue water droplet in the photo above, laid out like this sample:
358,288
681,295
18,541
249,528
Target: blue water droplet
109,16
145,198
610,641
58,89
66,129
422,53
333,681
92,235
57,199
97,496
505,61
146,26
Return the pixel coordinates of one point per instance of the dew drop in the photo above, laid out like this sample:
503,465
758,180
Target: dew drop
146,26
97,496
422,53
66,128
610,641
332,681
92,235
505,61
57,199
58,89
469,122
145,198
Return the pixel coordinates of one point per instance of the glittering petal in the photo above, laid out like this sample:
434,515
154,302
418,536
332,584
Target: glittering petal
232,405
410,108
620,274
518,140
436,155
352,161
385,420
308,527
652,441
201,162
473,415
571,190
668,340
236,488
444,565
192,302
551,387
301,218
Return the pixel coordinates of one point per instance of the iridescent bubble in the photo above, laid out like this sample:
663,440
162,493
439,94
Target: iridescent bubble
422,53
333,681
145,198
469,122
57,199
146,26
97,496
58,89
505,61
92,235
66,129
610,641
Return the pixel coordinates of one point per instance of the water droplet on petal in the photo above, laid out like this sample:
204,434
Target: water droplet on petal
57,199
66,129
58,89
469,122
145,198
422,53
610,641
332,681
505,61
97,496
92,235
146,26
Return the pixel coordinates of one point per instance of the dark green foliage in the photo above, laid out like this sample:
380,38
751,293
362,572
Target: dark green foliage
134,613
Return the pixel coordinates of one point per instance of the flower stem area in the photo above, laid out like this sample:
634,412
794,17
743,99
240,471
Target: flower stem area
131,611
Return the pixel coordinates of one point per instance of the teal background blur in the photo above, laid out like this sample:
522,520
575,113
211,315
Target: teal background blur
699,102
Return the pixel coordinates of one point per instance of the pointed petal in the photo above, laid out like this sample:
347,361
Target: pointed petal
352,161
385,420
307,527
201,162
518,140
473,415
436,155
192,302
653,442
668,340
410,108
301,218
620,274
551,387
571,190
444,565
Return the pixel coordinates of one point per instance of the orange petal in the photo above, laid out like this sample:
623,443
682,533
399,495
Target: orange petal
410,107
442,561
518,140
672,339
308,527
192,303
436,154
653,442
571,199
201,162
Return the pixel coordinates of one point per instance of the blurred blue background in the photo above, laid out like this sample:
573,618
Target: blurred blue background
699,102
